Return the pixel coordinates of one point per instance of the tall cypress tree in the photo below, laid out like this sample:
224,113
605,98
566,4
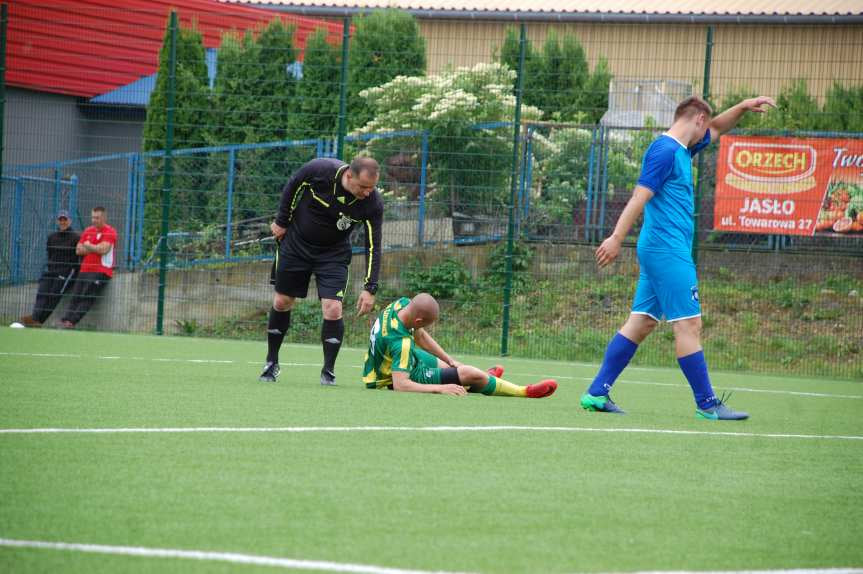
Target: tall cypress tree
594,95
319,87
843,109
255,101
557,79
230,119
386,44
191,103
273,86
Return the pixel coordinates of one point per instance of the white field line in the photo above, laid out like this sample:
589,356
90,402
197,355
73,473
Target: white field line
61,355
349,350
790,571
320,565
432,429
230,557
566,377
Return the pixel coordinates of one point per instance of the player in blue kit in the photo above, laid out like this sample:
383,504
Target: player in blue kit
667,284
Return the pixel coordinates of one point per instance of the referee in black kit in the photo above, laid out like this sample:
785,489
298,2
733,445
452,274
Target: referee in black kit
320,206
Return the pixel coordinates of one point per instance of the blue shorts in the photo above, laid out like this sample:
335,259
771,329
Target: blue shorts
667,286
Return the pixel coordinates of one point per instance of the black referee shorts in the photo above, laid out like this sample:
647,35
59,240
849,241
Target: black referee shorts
296,262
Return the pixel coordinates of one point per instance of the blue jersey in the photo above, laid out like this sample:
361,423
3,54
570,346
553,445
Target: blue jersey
667,171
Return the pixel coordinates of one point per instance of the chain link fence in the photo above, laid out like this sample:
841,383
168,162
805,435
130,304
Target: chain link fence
215,127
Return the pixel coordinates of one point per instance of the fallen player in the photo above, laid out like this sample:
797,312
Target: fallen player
403,356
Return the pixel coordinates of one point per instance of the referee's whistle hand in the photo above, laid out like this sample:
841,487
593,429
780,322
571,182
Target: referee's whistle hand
277,230
365,303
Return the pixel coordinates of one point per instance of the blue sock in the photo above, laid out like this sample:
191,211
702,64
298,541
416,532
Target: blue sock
617,355
695,368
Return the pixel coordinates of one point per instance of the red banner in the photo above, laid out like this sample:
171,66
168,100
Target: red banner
789,186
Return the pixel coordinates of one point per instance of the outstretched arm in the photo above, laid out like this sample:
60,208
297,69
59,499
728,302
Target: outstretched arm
726,121
403,383
610,248
373,227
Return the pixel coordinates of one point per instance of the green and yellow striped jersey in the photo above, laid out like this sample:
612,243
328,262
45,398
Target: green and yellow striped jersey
391,347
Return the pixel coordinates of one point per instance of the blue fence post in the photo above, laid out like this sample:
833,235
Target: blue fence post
73,198
529,182
424,156
130,211
58,189
17,212
603,191
232,160
319,148
589,199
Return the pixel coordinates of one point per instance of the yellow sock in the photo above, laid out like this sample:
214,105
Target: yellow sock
500,387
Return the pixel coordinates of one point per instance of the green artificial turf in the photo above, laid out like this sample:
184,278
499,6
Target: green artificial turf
494,501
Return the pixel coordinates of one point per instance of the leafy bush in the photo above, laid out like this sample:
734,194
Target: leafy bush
255,101
469,165
191,102
562,166
385,44
446,279
795,109
495,275
557,79
798,110
843,109
319,87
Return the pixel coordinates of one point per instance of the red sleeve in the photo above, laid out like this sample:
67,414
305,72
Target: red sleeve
110,236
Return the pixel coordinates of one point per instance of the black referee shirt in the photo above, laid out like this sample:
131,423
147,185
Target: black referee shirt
323,212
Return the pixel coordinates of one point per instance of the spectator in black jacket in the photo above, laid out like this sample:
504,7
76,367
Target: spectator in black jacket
59,274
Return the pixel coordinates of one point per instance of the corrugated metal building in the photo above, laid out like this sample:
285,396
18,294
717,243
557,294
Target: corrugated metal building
78,78
759,44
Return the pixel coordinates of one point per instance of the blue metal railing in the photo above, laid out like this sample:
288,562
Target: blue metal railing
35,202
22,180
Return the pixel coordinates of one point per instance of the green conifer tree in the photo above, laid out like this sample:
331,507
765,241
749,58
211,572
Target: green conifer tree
319,87
191,103
386,44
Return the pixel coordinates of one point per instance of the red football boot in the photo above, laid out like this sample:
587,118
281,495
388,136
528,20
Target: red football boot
542,389
495,371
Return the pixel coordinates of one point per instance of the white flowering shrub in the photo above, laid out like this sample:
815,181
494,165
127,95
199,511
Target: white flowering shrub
469,164
562,164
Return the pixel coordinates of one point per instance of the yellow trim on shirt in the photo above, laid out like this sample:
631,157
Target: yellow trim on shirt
315,196
404,360
297,196
371,250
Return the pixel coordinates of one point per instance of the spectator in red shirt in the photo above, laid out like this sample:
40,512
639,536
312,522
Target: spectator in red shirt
97,247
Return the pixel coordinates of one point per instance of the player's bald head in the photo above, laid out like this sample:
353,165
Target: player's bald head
424,306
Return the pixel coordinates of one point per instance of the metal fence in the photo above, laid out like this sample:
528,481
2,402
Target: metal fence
31,203
502,172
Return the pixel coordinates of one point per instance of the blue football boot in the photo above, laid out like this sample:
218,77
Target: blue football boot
720,411
600,404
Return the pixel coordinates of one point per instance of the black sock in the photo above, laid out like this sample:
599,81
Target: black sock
332,333
277,326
